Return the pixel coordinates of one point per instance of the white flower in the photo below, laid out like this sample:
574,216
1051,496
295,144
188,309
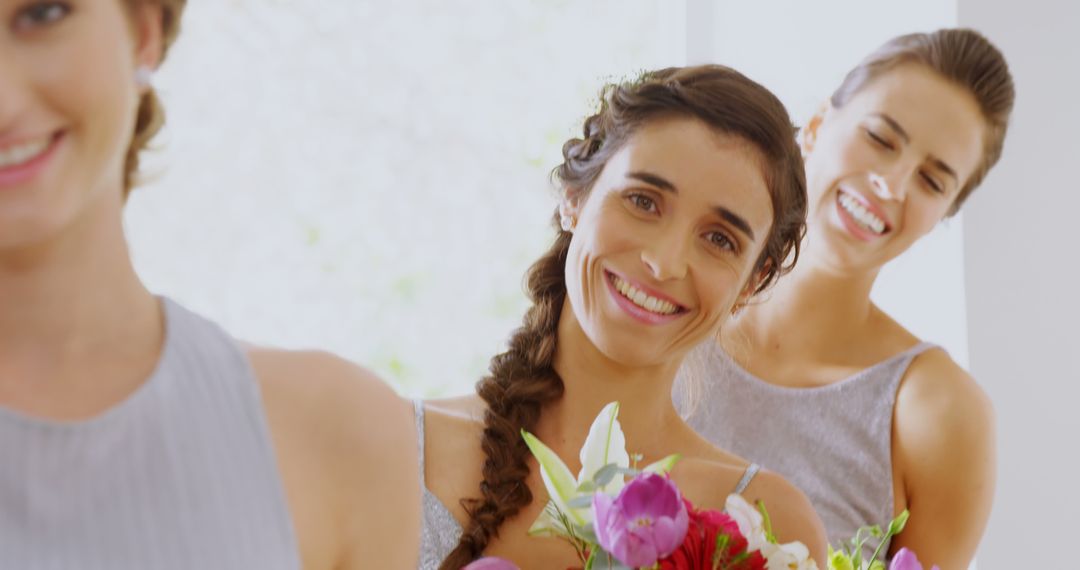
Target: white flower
604,445
790,556
751,523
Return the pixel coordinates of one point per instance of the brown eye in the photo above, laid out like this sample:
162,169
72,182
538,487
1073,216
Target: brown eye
720,240
41,14
642,202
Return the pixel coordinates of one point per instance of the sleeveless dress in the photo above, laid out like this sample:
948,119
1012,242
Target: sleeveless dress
834,442
180,475
440,531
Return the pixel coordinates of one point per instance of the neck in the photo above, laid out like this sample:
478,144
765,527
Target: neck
814,297
71,296
592,380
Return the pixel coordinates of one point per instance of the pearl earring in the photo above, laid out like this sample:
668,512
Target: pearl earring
144,76
567,223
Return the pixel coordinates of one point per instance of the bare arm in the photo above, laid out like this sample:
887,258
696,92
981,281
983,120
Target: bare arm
944,460
346,446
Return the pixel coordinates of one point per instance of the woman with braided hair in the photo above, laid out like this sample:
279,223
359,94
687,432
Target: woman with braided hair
683,198
135,434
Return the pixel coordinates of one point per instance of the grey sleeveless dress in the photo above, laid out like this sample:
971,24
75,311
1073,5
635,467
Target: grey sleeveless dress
180,475
440,531
834,442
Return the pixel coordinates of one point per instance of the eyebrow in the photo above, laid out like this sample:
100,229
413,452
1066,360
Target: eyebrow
937,162
940,164
894,125
663,184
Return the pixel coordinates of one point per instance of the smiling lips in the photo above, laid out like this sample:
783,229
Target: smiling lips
861,217
20,154
21,162
641,305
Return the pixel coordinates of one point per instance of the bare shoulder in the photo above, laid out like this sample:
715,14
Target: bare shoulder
944,459
342,402
939,401
943,425
346,444
453,431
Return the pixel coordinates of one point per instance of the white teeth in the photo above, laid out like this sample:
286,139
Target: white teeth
864,217
639,298
23,153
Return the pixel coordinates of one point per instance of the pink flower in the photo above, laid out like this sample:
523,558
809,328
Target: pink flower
906,560
645,523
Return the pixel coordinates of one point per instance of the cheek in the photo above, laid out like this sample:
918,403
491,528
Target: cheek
835,158
89,78
719,284
922,216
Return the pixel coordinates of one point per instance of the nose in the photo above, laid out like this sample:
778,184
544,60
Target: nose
12,90
665,257
888,187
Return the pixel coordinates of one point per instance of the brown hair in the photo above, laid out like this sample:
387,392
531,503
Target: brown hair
523,379
962,56
151,114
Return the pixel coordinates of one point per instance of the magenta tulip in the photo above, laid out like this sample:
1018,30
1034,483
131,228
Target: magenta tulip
491,563
646,522
906,560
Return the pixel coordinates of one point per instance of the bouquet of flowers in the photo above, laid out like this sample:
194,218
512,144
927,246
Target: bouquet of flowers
618,516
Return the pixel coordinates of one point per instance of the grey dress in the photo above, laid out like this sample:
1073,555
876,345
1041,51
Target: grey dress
834,442
180,475
440,531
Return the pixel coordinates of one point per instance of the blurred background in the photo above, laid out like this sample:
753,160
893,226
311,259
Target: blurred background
371,178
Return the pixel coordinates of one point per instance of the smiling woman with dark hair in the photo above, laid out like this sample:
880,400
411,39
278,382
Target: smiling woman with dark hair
684,195
866,418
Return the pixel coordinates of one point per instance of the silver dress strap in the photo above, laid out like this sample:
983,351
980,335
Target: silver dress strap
747,477
418,412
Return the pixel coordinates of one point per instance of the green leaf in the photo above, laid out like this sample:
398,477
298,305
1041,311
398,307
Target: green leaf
664,466
839,561
605,475
580,502
558,480
549,523
766,522
898,524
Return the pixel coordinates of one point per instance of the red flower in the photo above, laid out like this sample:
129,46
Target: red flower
699,550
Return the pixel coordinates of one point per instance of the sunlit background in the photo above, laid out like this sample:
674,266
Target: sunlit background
371,178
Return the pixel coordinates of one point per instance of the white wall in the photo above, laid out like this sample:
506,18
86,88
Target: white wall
1024,286
801,50
371,177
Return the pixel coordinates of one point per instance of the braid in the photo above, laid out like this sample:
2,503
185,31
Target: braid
522,381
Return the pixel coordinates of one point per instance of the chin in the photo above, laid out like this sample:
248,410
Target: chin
632,353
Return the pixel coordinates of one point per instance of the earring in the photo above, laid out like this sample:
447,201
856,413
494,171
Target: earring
144,76
567,223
